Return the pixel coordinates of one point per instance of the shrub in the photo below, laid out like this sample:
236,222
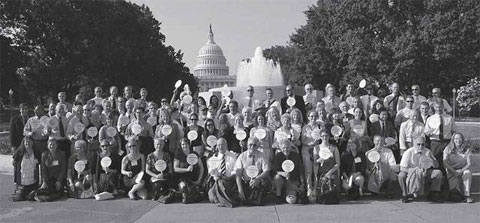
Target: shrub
468,98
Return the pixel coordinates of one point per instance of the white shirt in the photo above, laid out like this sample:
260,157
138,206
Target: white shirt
417,101
244,160
408,131
365,101
403,115
434,131
386,157
230,159
97,100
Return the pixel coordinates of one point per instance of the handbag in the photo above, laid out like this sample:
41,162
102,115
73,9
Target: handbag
327,192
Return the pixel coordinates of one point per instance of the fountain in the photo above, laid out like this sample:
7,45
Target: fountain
259,71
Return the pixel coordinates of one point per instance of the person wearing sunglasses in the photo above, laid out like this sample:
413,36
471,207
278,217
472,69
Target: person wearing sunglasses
133,164
250,100
419,168
404,114
417,98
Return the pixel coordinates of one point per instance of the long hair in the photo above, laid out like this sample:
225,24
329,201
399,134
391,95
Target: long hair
452,145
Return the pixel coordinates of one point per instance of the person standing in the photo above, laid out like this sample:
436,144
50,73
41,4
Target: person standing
417,98
34,129
331,100
394,101
435,97
98,96
368,100
439,129
299,103
17,124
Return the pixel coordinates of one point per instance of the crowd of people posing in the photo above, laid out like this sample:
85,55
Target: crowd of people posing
301,149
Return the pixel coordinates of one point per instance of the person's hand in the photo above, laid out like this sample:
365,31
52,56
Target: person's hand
241,195
319,160
90,140
190,168
58,185
459,172
13,149
129,174
159,176
254,182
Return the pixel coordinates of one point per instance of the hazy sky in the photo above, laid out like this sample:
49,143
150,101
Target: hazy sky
239,25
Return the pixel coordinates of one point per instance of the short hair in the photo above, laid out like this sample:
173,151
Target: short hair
416,85
23,105
409,96
425,104
52,140
80,143
113,87
438,101
233,102
377,136
97,88
286,116
269,89
418,138
221,139
194,115
60,105
254,140
246,109
284,141
140,108
382,110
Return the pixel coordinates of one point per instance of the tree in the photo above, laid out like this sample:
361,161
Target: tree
73,45
428,42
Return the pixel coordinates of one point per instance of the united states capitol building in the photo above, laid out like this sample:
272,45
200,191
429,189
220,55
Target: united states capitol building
211,70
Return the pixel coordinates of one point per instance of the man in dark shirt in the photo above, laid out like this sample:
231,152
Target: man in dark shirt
293,181
17,123
299,102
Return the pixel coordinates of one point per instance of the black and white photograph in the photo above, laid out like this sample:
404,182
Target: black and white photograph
239,111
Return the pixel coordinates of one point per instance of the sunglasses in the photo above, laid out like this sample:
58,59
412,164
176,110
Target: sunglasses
249,90
414,89
410,101
194,119
420,144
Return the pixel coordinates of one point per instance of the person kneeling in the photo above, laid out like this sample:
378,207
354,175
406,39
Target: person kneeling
252,171
106,175
189,174
221,169
416,171
381,167
286,178
133,167
27,170
53,168
79,173
160,169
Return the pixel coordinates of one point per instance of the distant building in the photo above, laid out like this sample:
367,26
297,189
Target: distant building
211,70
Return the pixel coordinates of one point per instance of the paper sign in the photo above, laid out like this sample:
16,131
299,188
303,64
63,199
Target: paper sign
55,163
52,122
161,165
291,101
241,135
373,156
192,159
363,83
389,141
288,166
124,120
152,120
260,134
139,177
106,162
136,129
214,162
252,171
192,135
336,130
92,132
78,127
211,140
187,99
35,123
44,121
358,160
373,118
178,83
425,162
325,154
316,134
79,166
111,131
166,130
68,115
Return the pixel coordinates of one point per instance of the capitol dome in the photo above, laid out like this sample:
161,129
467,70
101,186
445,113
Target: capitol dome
211,69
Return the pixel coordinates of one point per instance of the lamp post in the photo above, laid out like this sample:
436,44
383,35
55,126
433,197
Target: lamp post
10,92
454,91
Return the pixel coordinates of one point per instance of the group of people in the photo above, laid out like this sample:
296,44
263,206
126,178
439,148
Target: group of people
236,152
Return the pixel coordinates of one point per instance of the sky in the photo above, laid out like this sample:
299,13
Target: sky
239,25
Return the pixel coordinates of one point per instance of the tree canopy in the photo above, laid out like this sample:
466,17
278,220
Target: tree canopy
433,43
72,46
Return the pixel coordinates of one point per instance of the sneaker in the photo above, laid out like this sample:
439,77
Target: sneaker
405,199
469,200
